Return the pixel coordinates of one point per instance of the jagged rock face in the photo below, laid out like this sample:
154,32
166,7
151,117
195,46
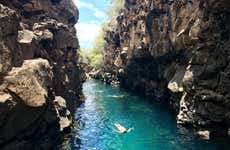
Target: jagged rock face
30,82
61,10
8,36
40,78
177,51
47,31
26,110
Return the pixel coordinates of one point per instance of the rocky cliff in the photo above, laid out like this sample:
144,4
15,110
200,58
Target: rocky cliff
177,51
40,78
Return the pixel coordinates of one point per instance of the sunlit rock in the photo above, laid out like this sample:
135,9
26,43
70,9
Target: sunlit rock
30,82
203,134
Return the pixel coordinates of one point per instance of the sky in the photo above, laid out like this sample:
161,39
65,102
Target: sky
92,14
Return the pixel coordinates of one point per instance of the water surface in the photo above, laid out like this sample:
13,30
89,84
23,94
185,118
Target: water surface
154,125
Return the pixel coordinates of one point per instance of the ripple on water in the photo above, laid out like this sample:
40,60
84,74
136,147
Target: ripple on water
154,127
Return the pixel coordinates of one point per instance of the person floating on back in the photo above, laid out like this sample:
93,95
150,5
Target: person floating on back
121,129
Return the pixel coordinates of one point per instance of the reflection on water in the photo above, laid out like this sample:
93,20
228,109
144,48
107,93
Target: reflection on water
154,126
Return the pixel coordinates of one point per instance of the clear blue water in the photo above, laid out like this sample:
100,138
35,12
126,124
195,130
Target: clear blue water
154,125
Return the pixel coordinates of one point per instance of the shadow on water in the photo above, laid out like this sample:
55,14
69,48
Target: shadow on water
154,125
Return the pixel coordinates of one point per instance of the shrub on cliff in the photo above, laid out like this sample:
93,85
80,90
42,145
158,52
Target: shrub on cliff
96,53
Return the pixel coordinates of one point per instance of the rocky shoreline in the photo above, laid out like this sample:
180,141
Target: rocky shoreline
41,80
175,51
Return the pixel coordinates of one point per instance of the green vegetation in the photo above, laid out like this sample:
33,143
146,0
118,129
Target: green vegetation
83,56
94,57
96,53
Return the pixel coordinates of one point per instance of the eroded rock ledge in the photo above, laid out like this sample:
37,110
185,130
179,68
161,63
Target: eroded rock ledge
177,51
40,78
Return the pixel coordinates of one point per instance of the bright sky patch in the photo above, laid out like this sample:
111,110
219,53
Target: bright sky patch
92,14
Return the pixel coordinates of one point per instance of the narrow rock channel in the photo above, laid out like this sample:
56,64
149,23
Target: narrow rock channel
154,125
173,56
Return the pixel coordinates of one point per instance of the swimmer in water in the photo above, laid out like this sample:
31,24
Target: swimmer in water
121,129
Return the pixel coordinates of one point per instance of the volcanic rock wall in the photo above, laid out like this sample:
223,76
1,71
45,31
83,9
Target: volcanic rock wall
177,51
40,78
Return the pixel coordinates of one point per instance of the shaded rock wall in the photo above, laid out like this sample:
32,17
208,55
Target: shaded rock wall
40,78
177,51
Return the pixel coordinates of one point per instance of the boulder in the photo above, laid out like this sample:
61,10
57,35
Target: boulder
25,36
30,82
19,121
175,84
203,134
65,119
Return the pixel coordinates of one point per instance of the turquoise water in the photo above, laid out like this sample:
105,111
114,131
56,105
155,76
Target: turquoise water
154,126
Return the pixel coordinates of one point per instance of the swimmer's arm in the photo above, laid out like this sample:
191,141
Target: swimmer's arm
130,129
